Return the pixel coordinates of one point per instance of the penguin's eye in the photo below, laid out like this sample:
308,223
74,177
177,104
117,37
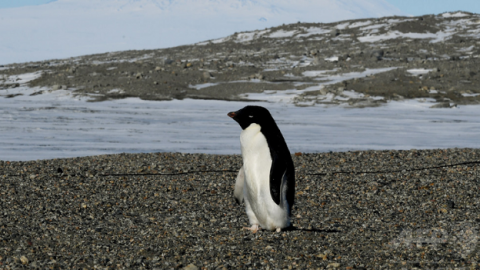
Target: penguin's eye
251,116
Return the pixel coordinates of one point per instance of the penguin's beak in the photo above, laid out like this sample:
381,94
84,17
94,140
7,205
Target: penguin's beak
232,114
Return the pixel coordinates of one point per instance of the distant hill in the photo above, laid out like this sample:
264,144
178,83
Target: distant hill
67,28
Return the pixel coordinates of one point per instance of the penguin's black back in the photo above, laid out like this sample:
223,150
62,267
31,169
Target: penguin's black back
282,172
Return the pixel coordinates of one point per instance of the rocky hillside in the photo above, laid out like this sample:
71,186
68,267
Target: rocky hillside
360,63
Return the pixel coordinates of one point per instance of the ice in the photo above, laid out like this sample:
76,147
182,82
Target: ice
40,129
57,124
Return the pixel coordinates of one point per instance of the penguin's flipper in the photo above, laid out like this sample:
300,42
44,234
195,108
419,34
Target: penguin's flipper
288,186
238,192
277,172
282,180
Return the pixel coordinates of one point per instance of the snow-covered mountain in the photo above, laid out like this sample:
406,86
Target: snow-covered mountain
66,28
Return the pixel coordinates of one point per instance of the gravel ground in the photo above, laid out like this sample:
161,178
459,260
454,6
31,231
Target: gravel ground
354,210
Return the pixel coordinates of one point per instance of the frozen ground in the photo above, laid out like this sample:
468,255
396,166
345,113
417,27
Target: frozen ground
56,125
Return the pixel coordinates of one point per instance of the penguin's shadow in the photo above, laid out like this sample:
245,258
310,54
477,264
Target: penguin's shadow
293,228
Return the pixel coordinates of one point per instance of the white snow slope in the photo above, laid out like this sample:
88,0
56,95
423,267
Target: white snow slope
67,28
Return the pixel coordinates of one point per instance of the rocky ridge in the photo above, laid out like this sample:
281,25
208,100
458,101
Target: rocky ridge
358,63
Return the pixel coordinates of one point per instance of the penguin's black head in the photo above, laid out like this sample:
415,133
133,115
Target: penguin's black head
252,115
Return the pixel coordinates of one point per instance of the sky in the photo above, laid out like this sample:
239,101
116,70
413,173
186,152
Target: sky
22,3
39,31
422,7
411,7
70,28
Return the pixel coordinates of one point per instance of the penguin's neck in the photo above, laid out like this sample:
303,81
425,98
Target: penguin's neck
249,137
257,160
254,146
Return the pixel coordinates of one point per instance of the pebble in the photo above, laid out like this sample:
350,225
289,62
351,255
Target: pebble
335,32
333,265
24,260
167,61
207,75
191,267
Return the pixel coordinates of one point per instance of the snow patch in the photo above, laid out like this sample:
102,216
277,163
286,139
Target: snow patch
332,59
203,85
249,36
436,37
313,31
359,24
282,33
470,95
116,91
287,96
419,71
375,26
21,78
316,73
342,26
454,15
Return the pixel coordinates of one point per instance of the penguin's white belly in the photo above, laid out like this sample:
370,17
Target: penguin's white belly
261,209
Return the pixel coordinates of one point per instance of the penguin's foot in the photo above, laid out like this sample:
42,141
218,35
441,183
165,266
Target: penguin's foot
254,228
279,229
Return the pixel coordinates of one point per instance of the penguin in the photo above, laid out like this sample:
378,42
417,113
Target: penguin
266,181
